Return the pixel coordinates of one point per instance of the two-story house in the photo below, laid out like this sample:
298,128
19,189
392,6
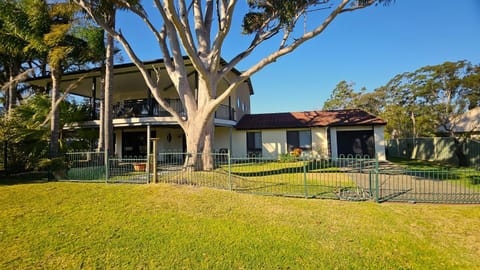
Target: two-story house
327,133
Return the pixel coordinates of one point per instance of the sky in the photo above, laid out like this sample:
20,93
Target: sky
367,47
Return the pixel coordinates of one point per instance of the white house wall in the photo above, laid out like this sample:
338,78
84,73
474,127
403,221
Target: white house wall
274,142
320,141
379,132
222,138
163,135
241,101
239,143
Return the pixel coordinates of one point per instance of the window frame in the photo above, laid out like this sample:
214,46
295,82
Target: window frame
254,135
297,143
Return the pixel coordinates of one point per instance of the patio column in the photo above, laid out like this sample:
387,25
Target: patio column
148,153
93,114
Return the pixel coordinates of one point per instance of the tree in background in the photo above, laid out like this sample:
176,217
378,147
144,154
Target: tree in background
64,49
430,96
21,25
416,104
199,29
39,37
343,97
28,134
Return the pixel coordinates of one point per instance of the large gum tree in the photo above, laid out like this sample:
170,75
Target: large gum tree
198,29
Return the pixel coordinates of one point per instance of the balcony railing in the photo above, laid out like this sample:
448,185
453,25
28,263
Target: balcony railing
146,107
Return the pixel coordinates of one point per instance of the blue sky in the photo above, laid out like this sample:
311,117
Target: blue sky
367,47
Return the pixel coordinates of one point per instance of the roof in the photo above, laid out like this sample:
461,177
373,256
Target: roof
309,119
122,68
467,122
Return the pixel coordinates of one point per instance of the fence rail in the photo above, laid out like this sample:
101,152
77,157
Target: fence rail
350,178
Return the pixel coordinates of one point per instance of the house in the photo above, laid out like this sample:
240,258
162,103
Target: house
467,123
136,113
324,133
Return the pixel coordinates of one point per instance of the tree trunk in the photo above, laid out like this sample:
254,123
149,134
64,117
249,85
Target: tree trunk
414,124
11,91
204,125
208,158
195,139
101,128
108,125
55,121
462,158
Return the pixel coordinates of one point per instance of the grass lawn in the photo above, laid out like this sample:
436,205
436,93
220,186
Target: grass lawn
79,225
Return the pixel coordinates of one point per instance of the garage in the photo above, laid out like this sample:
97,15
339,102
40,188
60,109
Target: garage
355,143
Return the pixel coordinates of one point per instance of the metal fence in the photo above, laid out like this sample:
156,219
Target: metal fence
128,170
3,155
85,166
346,178
433,186
91,166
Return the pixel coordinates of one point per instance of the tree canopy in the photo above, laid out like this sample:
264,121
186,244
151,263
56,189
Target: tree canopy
416,103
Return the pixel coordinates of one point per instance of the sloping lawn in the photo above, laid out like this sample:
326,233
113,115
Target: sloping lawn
98,226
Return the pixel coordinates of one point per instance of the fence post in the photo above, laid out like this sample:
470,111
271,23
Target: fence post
377,186
370,184
154,161
305,176
147,167
229,171
107,163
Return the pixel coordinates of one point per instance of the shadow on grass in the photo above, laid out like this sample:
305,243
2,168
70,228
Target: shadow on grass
311,166
24,178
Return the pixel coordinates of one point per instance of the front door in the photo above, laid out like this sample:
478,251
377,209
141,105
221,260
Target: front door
134,144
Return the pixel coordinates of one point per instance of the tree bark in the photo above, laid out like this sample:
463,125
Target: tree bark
108,124
55,121
101,128
208,159
414,124
194,135
11,91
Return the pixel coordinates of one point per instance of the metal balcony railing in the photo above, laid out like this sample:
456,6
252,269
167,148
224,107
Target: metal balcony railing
146,107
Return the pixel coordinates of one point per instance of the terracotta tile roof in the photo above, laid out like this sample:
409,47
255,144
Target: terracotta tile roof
308,119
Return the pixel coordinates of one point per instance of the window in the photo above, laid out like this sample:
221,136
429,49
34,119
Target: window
254,143
299,139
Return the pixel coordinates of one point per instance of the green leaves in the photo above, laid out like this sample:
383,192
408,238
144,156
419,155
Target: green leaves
265,14
416,103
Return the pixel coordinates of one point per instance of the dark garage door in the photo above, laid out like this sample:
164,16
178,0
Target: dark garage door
359,142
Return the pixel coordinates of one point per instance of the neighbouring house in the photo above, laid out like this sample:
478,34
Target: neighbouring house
326,133
467,123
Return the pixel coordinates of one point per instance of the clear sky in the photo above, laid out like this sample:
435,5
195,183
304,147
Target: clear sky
367,47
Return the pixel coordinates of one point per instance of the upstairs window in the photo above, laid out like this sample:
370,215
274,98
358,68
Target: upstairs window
299,139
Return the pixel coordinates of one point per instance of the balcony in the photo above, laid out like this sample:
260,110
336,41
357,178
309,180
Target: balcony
149,108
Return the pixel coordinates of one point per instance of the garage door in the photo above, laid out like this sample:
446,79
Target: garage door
359,142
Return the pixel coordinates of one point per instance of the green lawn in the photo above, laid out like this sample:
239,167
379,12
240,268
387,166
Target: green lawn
78,225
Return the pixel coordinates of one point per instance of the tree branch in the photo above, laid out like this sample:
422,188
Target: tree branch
275,55
130,52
